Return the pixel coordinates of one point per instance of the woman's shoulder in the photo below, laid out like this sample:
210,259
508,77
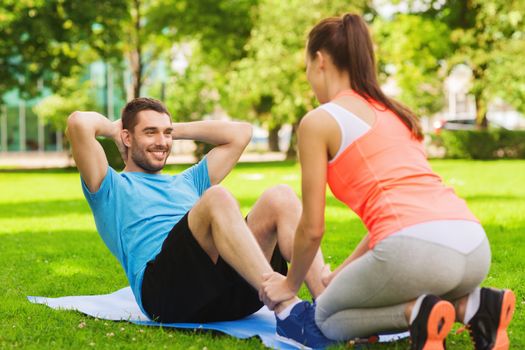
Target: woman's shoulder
318,125
316,118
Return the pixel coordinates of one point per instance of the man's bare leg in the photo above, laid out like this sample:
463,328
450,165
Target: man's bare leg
274,219
219,228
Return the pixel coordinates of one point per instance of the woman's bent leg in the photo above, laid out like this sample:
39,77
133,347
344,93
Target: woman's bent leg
371,294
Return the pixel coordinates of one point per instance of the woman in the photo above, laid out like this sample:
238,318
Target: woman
421,263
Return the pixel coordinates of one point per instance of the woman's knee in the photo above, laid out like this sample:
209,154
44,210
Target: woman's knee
331,326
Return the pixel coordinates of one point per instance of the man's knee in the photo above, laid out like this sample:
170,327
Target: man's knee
219,198
281,197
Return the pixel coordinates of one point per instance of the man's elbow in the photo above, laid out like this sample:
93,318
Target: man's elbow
73,121
245,133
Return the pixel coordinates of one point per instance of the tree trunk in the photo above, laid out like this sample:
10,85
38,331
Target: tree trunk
136,52
481,112
481,103
291,154
273,139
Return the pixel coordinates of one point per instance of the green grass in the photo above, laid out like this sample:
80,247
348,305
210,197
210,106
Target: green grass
49,247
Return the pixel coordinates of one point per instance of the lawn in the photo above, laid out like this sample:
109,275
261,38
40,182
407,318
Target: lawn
49,247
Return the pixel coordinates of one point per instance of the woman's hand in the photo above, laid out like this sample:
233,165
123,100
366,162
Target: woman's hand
327,275
275,289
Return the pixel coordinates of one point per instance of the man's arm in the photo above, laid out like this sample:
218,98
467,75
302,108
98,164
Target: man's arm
230,140
82,130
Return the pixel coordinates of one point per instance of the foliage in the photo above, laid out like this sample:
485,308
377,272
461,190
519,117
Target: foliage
210,34
143,46
192,93
47,39
505,75
486,35
414,58
215,32
112,154
269,85
482,144
220,26
71,96
484,45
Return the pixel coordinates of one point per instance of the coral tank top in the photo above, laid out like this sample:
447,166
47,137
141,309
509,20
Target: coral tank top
385,178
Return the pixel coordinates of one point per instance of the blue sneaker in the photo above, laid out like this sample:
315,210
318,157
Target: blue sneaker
299,328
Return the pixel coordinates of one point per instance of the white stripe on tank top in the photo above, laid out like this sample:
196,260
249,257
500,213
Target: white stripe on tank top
352,127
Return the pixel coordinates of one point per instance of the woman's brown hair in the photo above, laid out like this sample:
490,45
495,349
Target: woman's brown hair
347,40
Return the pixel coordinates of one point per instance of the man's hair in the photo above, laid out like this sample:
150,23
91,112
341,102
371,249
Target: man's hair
133,107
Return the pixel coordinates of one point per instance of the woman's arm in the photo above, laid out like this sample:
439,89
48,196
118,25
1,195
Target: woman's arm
361,249
312,142
310,231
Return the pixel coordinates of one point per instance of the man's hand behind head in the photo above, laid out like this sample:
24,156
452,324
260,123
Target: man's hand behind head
117,137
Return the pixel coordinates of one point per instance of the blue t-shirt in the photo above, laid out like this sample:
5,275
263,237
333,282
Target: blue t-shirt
134,212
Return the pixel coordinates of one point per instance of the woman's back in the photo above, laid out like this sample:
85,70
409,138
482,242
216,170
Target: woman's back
384,176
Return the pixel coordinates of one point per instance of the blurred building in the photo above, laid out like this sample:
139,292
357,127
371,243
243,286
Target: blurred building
21,130
461,106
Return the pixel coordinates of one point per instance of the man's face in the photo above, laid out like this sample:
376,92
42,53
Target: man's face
150,141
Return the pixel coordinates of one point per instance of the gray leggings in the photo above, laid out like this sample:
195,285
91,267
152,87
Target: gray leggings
446,258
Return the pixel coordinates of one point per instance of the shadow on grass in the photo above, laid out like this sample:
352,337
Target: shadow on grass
493,197
43,208
249,201
176,168
40,171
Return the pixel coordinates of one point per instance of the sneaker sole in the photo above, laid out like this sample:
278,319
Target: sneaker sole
439,324
508,306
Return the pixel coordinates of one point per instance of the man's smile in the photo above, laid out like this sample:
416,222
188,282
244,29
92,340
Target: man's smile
159,154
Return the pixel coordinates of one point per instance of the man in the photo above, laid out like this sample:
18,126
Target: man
188,253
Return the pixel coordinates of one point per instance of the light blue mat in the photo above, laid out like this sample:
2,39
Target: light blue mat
121,306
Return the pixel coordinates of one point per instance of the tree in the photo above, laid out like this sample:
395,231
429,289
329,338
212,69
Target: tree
72,95
221,27
206,35
490,49
485,35
269,85
149,32
145,40
209,35
192,94
415,59
44,40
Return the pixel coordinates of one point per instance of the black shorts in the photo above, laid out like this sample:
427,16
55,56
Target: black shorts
182,284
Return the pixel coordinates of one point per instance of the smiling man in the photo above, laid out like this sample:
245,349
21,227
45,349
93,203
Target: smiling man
187,251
